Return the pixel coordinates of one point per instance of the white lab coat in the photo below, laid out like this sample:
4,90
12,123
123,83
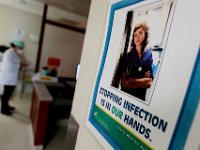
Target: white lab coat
10,68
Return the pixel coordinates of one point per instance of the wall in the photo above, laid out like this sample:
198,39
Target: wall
12,18
89,61
58,42
64,44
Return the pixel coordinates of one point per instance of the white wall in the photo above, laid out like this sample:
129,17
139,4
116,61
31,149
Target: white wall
12,18
64,44
89,61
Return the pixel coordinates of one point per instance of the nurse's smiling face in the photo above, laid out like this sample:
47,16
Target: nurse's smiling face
139,36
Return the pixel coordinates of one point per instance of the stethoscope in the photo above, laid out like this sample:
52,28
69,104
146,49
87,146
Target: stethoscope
130,67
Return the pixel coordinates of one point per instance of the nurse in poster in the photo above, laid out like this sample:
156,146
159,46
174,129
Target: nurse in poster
126,108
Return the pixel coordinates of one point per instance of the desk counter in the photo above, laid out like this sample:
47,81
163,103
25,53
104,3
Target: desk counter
41,100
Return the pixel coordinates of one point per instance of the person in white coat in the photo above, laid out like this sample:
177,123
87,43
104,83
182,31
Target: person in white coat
9,74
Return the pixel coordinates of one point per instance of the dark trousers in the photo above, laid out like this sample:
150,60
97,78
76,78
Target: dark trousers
8,90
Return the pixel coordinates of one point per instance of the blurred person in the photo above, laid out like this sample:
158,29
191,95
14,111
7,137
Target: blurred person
9,74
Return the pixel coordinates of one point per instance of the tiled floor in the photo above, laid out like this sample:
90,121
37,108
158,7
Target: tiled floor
16,130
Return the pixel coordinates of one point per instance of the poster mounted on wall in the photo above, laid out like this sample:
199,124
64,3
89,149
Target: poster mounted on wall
135,103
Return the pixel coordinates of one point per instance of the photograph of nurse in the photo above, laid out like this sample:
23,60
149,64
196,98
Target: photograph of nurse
137,74
140,53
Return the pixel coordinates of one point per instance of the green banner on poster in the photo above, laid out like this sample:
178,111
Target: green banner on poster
118,132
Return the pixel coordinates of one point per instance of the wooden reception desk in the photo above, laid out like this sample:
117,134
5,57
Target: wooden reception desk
51,100
41,99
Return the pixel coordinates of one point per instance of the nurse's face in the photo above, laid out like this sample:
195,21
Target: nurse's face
139,36
18,50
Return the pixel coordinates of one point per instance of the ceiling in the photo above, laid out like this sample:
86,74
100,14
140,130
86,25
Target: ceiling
79,7
72,12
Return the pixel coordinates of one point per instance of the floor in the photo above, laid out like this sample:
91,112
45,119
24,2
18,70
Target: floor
57,143
16,130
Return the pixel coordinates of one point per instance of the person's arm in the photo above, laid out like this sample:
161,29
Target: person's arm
141,82
24,62
131,83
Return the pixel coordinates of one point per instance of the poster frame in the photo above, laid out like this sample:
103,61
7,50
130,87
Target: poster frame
189,106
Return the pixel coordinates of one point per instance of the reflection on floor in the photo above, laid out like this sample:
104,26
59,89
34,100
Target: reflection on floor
16,130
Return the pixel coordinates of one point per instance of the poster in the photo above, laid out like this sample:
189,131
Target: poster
135,103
